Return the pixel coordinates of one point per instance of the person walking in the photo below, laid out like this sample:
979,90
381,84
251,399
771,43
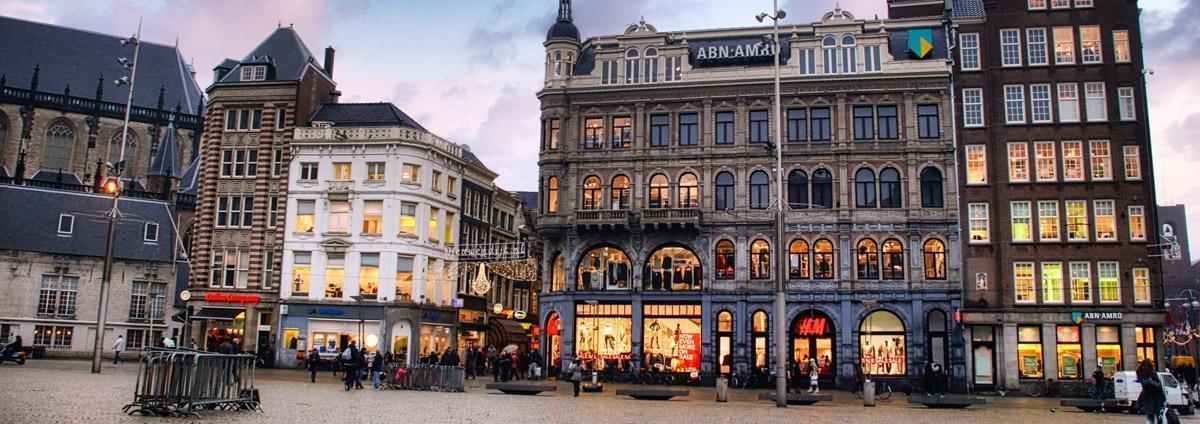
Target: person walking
1153,399
480,362
939,378
814,376
469,364
492,360
377,370
576,374
348,365
535,364
118,347
313,361
361,367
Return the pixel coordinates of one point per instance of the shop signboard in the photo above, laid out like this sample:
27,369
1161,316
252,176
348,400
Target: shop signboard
217,297
1108,364
812,326
736,51
326,311
1080,317
689,351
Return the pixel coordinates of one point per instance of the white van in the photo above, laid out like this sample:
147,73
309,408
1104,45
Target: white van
1127,388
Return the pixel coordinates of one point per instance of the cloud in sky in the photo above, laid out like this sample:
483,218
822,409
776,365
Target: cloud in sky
469,69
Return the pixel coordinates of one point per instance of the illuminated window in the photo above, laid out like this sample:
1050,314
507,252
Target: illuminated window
593,195
1052,282
672,269
660,192
1064,45
760,259
1137,223
1029,351
620,192
1106,220
1110,282
868,259
1072,153
1022,221
1023,282
376,171
341,171
1044,153
978,222
372,217
622,132
1141,285
799,261
1018,162
1108,348
1070,353
408,219
368,275
883,344
593,133
1089,44
305,210
725,259
893,260
434,215
1048,229
1077,221
404,278
335,276
1120,45
1081,282
301,273
689,191
604,268
935,259
976,164
410,174
823,260
552,195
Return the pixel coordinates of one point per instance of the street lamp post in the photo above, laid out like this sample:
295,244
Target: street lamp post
780,261
362,344
115,189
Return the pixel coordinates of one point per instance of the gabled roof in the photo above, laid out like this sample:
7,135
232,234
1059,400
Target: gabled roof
285,51
77,58
166,160
189,183
963,9
471,158
363,114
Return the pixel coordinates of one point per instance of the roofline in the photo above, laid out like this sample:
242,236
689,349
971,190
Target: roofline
87,31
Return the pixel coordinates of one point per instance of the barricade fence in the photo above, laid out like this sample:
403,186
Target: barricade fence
177,382
438,378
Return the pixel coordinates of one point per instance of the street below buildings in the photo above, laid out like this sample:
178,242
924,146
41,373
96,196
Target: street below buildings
65,392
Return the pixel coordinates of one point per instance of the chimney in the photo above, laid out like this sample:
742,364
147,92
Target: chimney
329,61
334,96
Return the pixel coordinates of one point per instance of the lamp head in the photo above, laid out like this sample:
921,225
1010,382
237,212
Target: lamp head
124,61
780,14
761,16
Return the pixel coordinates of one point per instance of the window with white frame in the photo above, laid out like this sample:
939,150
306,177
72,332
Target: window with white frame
1101,159
1081,282
1068,102
1010,47
1018,162
608,72
973,107
1106,220
650,72
1064,45
633,66
1120,46
239,162
308,171
873,59
976,164
1089,44
1044,155
1060,4
968,53
1097,106
277,162
1133,162
1125,104
1014,104
1022,221
808,62
1083,3
234,211
1035,40
1048,229
66,224
672,69
1037,4
1052,282
849,52
305,216
150,232
254,73
1072,153
1040,103
1023,282
1137,223
1077,220
830,55
1108,273
1141,285
57,295
978,222
272,212
410,173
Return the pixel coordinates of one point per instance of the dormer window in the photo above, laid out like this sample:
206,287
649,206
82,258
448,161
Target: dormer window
254,73
632,66
558,63
651,70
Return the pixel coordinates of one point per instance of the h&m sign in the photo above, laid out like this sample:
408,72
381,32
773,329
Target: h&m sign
734,51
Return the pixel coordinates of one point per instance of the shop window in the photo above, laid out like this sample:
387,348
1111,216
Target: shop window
671,337
758,335
1146,344
823,260
725,341
335,271
935,260
725,260
660,192
554,339
557,274
404,278
672,268
798,260
760,259
893,260
291,338
1029,351
368,275
882,344
604,268
983,347
868,260
812,338
1070,354
1108,348
603,335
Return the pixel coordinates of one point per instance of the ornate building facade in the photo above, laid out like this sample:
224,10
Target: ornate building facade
658,192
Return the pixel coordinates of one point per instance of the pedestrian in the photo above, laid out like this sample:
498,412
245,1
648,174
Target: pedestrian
469,363
361,367
313,361
939,378
226,348
814,376
348,368
492,360
480,361
377,370
1153,398
450,358
576,374
535,364
504,363
118,347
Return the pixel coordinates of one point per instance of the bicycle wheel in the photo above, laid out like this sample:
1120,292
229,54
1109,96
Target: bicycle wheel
884,391
1034,390
1055,390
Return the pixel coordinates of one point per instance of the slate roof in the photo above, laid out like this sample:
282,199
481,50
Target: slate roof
530,198
470,157
56,176
285,51
77,58
363,114
227,64
967,9
38,232
166,159
189,183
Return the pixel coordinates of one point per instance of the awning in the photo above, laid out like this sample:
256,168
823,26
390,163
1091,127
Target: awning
218,314
510,326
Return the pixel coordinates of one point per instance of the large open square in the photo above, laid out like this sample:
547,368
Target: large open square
65,392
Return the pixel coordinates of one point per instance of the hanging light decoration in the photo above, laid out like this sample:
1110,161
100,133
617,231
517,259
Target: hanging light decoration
481,285
519,270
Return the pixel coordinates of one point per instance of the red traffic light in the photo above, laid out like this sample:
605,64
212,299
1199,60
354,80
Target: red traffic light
112,186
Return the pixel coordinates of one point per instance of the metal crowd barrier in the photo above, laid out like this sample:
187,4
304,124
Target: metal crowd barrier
438,378
177,382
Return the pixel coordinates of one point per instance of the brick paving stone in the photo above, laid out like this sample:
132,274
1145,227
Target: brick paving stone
65,392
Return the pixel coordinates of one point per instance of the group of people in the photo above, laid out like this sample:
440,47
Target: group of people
355,364
505,366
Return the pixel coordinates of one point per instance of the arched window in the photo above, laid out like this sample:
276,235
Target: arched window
650,67
882,346
593,195
760,259
632,66
660,192
864,188
931,188
759,326
725,260
724,192
798,260
847,40
725,341
893,260
849,55
822,189
823,260
868,260
672,268
935,327
557,274
604,268
760,191
689,191
935,259
570,63
797,189
558,63
620,192
60,143
830,51
890,195
552,195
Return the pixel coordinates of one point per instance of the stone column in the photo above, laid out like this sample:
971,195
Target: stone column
1049,351
1006,357
1087,341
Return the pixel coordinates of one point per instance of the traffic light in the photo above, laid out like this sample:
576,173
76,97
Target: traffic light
112,186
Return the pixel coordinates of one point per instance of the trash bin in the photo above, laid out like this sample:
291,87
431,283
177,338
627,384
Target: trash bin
868,392
722,389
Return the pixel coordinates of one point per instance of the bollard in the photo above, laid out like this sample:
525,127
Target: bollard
868,392
722,389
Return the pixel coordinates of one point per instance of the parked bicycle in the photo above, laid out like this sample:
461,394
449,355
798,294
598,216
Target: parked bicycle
1049,388
883,390
1101,392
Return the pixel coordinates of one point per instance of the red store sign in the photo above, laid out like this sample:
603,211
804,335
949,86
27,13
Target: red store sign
812,327
232,298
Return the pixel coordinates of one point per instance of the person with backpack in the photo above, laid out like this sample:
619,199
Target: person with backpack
347,358
313,361
576,374
1153,398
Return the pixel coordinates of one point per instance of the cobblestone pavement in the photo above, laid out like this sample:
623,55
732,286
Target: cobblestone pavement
65,392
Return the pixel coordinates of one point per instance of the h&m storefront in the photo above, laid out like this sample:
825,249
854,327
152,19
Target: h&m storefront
1066,346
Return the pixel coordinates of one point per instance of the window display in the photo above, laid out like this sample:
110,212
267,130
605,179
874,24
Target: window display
758,334
1108,348
554,340
672,268
1070,353
1144,337
671,337
604,334
725,341
604,268
434,338
725,260
812,337
882,344
1029,351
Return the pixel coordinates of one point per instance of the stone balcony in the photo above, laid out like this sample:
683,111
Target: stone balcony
670,218
602,219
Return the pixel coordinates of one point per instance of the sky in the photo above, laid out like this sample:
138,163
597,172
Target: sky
469,70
